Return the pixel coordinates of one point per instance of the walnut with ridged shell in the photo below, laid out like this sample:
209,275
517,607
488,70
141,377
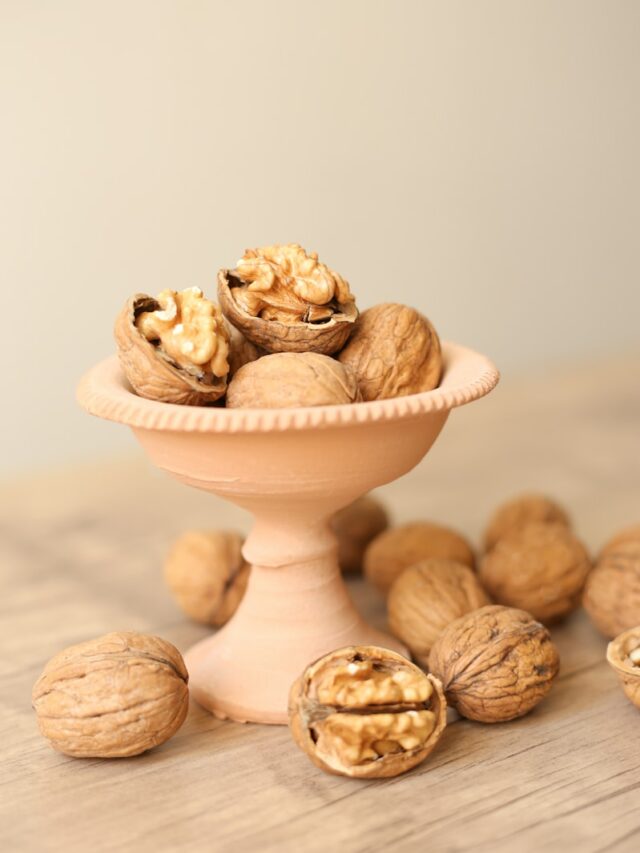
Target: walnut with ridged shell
612,591
516,513
355,527
366,712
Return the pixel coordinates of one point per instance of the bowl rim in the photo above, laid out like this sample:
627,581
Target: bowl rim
104,392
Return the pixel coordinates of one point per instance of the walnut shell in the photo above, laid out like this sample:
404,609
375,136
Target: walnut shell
207,574
612,591
394,550
427,597
394,350
541,568
366,712
355,526
149,374
288,379
115,696
520,511
273,336
628,534
241,351
495,664
623,655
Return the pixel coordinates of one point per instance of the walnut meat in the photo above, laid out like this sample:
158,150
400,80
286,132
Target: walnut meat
399,547
623,655
112,697
174,347
612,592
287,379
284,299
394,350
495,664
355,526
366,712
427,597
541,568
207,574
520,511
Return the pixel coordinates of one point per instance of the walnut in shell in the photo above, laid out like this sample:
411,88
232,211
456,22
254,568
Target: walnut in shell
207,574
628,534
427,597
284,299
520,511
366,712
394,350
174,347
399,547
289,379
355,526
623,654
612,592
541,568
495,664
112,697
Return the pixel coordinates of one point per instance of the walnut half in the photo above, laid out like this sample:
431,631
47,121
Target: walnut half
366,712
623,655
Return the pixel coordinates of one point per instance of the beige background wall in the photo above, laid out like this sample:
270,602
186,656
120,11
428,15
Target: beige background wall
476,159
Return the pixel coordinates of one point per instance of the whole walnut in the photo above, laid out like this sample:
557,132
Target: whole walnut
623,655
289,379
427,597
495,664
612,592
112,697
394,350
399,547
355,526
207,574
628,534
520,511
366,712
541,568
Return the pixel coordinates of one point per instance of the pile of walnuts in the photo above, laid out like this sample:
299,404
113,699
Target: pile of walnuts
286,333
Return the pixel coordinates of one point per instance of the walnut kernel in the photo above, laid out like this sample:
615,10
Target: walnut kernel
612,591
428,596
495,664
289,379
207,574
366,712
394,350
541,568
355,526
520,511
399,547
112,697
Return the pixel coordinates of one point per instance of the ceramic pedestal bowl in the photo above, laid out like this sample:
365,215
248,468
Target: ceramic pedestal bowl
292,469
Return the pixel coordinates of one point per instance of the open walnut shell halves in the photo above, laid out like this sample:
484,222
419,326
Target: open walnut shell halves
366,712
151,372
623,655
326,336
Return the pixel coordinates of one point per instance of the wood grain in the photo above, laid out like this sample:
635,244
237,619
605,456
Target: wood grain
81,552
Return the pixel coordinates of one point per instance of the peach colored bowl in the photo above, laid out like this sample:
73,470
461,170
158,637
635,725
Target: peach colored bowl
291,468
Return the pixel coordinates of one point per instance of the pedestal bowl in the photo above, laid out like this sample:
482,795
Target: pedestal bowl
292,469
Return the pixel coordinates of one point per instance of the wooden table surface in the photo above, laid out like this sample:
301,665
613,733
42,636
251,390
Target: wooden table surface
81,552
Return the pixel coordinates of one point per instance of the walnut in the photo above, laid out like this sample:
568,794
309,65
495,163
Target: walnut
366,712
495,664
522,510
207,574
394,550
241,351
289,379
612,592
115,696
355,526
393,351
541,568
174,347
284,300
623,654
628,534
427,597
